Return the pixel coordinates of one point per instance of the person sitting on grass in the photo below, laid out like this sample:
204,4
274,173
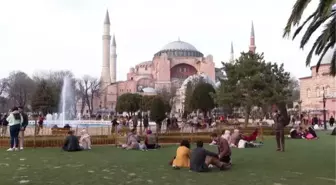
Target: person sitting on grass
85,140
201,159
182,158
224,150
310,134
251,137
235,138
295,133
151,140
132,142
71,143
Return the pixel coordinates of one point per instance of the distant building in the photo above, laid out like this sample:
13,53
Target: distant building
169,67
312,89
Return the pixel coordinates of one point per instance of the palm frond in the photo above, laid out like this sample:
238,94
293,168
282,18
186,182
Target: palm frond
311,29
296,15
310,54
298,30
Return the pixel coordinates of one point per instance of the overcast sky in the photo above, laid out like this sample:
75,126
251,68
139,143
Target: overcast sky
67,34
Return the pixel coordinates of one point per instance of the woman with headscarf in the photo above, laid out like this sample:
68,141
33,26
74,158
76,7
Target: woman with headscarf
85,140
235,137
132,142
15,120
150,140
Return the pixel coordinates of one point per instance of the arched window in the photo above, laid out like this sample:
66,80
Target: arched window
308,93
318,92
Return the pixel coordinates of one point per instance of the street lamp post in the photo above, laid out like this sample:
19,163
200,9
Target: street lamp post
324,111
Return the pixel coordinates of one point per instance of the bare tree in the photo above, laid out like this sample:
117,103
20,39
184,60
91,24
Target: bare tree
20,88
3,85
82,88
93,92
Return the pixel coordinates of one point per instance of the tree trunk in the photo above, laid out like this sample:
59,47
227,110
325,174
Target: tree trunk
158,126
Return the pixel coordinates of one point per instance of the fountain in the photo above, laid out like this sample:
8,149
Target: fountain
67,101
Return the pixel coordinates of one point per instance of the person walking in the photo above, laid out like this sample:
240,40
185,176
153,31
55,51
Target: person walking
23,126
4,124
15,120
331,121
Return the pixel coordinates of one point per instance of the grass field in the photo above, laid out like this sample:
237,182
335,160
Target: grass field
303,163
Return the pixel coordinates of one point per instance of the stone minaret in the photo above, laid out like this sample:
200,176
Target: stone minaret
105,73
252,47
232,54
113,64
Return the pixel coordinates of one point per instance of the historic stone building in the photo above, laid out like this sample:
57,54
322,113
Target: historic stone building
312,89
169,67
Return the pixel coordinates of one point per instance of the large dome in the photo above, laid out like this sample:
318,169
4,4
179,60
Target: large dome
179,49
179,45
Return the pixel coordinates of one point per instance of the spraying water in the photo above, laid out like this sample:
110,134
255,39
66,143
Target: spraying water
67,101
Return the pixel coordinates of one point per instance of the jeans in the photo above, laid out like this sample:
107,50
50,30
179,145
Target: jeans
280,139
14,131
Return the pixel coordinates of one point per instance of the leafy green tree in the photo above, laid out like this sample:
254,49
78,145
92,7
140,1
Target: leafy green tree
202,97
323,16
158,111
146,102
244,82
43,98
250,82
128,102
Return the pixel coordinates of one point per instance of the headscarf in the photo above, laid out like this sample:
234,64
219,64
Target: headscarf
227,135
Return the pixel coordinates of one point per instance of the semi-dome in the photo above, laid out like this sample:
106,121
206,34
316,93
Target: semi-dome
179,49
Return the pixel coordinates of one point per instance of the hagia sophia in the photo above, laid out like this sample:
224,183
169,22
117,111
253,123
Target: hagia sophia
169,67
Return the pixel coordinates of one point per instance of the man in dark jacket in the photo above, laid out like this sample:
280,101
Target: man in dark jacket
201,159
23,126
279,125
71,143
331,121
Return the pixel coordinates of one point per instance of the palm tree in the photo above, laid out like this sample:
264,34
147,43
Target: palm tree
324,15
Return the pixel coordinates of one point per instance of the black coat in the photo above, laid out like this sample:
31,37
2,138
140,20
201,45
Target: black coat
71,144
197,159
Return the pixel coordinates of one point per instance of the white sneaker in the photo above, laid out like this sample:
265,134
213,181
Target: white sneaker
21,148
10,149
16,149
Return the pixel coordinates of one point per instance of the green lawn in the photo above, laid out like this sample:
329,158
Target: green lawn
304,162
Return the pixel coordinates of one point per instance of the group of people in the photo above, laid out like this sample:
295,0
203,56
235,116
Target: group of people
303,133
125,122
239,140
201,160
133,141
73,144
17,120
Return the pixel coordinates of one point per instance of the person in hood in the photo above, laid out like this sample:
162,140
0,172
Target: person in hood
23,126
85,140
15,120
